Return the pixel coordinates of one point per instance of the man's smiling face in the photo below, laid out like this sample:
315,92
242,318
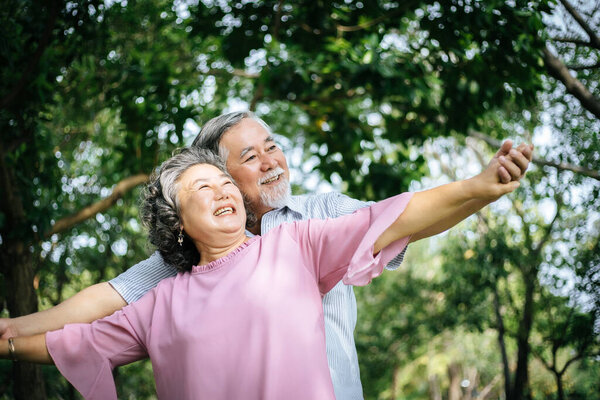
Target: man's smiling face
257,164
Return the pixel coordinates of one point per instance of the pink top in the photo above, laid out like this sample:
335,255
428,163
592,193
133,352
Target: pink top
248,325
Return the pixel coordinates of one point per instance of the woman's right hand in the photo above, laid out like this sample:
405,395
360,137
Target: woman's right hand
487,185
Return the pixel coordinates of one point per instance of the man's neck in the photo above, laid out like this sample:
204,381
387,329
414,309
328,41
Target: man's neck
255,229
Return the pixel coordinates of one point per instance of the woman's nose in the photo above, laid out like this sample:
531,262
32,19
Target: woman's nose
221,193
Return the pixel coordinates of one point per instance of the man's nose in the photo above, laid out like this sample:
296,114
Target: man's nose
268,162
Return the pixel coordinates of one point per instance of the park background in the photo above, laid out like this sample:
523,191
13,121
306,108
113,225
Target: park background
371,98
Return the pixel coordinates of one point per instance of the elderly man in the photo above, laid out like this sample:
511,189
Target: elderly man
260,169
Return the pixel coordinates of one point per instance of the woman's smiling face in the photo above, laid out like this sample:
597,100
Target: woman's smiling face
211,206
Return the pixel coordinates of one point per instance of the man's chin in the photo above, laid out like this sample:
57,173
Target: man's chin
276,197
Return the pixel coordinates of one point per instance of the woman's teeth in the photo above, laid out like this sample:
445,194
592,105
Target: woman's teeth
224,210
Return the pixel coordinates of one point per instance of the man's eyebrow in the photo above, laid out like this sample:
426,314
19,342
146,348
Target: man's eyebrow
245,150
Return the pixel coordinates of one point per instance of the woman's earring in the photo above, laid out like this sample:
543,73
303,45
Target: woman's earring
180,237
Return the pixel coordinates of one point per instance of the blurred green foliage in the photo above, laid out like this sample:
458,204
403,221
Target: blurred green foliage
92,93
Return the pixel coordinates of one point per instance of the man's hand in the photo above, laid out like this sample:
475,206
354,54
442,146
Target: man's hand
90,304
513,162
7,328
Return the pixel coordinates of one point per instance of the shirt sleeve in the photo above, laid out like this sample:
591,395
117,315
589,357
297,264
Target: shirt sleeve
86,354
344,205
143,276
343,247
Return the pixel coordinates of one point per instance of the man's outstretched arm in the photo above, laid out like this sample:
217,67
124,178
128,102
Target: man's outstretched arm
90,304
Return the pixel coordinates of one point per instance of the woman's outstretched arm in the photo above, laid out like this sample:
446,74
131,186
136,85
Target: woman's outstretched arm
443,203
26,348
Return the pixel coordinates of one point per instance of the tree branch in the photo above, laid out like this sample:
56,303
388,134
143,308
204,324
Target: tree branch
539,356
550,226
368,24
578,356
540,161
488,388
583,67
576,41
119,190
594,40
277,20
235,72
559,71
391,14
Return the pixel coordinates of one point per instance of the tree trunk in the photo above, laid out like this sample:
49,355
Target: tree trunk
518,391
559,386
473,377
500,329
17,268
454,375
435,393
22,300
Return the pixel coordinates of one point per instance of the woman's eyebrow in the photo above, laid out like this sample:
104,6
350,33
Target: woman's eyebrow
208,179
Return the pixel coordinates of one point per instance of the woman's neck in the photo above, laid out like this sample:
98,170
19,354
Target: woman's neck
212,251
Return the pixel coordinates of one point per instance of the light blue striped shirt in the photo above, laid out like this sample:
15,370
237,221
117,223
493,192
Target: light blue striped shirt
339,305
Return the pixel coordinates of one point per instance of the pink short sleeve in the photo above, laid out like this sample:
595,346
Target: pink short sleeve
86,354
342,248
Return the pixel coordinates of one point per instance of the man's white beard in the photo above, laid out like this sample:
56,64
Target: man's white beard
276,196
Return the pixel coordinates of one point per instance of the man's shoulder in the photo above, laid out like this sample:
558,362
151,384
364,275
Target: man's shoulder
155,260
324,205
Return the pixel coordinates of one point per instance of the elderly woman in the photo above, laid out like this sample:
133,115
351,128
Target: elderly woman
244,318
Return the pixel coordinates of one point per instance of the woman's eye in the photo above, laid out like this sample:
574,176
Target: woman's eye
272,148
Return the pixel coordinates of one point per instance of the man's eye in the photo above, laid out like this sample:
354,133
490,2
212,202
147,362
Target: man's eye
227,183
250,158
272,148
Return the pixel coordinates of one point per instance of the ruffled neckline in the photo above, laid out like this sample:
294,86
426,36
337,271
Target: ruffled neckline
218,263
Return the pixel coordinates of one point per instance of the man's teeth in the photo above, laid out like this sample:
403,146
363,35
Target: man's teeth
270,179
224,210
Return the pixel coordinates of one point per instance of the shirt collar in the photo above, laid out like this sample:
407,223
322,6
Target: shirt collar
295,204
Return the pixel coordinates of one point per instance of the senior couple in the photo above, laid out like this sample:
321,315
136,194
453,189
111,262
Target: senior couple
269,316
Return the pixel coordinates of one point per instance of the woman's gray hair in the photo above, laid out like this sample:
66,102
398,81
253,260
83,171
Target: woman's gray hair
212,132
160,209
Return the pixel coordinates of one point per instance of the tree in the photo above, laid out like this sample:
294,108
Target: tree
76,129
512,269
95,95
37,42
